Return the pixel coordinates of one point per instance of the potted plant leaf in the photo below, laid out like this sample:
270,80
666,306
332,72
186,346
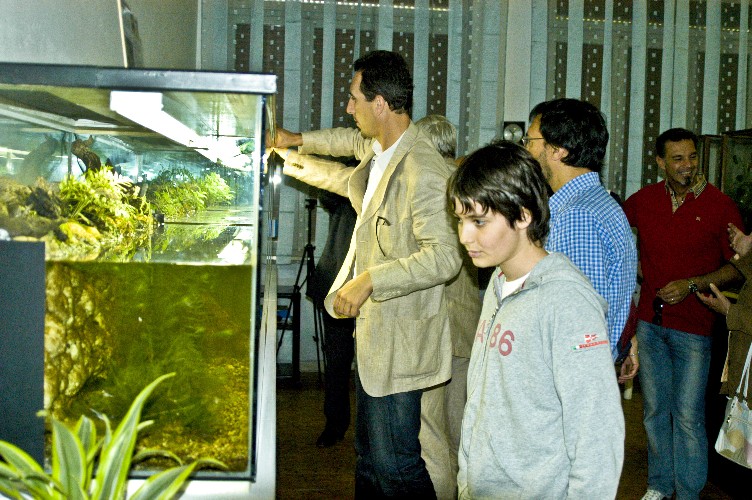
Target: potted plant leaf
88,467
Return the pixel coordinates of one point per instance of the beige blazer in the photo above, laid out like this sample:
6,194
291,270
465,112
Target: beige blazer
407,241
463,298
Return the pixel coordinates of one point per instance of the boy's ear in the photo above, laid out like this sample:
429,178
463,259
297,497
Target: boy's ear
526,218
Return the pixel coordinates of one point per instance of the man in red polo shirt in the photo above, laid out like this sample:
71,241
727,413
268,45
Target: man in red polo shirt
683,244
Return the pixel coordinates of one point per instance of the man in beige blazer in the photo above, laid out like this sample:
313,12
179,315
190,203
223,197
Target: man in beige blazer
405,250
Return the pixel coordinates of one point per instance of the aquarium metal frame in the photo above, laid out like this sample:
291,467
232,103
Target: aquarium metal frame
58,75
259,480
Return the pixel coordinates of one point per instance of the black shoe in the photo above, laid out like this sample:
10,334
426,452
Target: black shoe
329,438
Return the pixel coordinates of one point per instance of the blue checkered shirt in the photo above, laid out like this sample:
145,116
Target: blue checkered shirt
589,227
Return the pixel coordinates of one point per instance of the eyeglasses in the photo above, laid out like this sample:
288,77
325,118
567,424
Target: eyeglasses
658,311
526,140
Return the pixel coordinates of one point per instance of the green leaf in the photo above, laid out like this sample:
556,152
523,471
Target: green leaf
152,453
9,489
16,457
29,472
87,434
68,461
115,458
164,485
41,486
107,430
8,472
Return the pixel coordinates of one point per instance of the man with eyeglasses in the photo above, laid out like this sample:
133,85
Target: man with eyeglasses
682,234
568,137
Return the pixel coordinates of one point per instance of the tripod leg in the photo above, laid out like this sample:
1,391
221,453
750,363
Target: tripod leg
320,338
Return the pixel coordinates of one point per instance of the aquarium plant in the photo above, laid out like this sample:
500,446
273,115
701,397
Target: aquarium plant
176,192
87,467
105,204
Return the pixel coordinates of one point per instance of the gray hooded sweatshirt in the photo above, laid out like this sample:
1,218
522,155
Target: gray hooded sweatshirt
543,417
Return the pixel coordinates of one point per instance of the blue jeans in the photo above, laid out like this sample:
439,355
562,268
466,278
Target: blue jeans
386,442
674,369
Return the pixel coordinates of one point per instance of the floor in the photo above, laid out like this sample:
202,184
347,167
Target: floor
307,472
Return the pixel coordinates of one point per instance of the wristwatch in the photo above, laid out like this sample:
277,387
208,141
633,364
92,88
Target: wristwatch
692,286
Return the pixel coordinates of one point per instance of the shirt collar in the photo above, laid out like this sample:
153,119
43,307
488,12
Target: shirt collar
696,189
572,187
380,155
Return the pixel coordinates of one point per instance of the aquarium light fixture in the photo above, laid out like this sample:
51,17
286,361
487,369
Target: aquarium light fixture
147,109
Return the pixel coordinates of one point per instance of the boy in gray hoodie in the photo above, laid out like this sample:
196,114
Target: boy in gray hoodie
543,417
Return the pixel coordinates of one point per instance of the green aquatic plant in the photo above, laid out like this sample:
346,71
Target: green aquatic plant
103,213
176,192
104,200
216,189
87,467
162,330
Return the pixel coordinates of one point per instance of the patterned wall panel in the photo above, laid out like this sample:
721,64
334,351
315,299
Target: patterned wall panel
242,44
656,10
344,56
727,92
274,61
437,71
318,54
623,11
560,71
591,73
618,113
695,86
652,119
595,9
729,73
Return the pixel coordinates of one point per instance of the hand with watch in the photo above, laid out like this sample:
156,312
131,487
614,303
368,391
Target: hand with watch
676,291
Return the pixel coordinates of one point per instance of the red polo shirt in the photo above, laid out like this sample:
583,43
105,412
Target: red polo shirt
689,242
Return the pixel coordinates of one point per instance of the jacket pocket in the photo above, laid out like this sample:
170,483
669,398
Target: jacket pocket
393,239
418,345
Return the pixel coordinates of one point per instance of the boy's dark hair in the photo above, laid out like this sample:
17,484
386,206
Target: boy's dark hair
577,126
673,135
503,178
386,74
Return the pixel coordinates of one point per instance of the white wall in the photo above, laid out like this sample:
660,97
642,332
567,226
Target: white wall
168,32
87,32
60,32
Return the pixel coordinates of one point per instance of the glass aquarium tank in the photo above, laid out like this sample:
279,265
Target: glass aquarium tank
146,189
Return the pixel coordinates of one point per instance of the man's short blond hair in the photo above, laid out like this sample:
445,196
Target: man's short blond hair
442,133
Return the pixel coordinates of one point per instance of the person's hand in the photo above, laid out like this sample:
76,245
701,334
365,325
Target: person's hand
674,292
353,295
741,243
629,367
717,302
284,139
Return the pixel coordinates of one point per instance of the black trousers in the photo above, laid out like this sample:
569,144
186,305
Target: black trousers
339,349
